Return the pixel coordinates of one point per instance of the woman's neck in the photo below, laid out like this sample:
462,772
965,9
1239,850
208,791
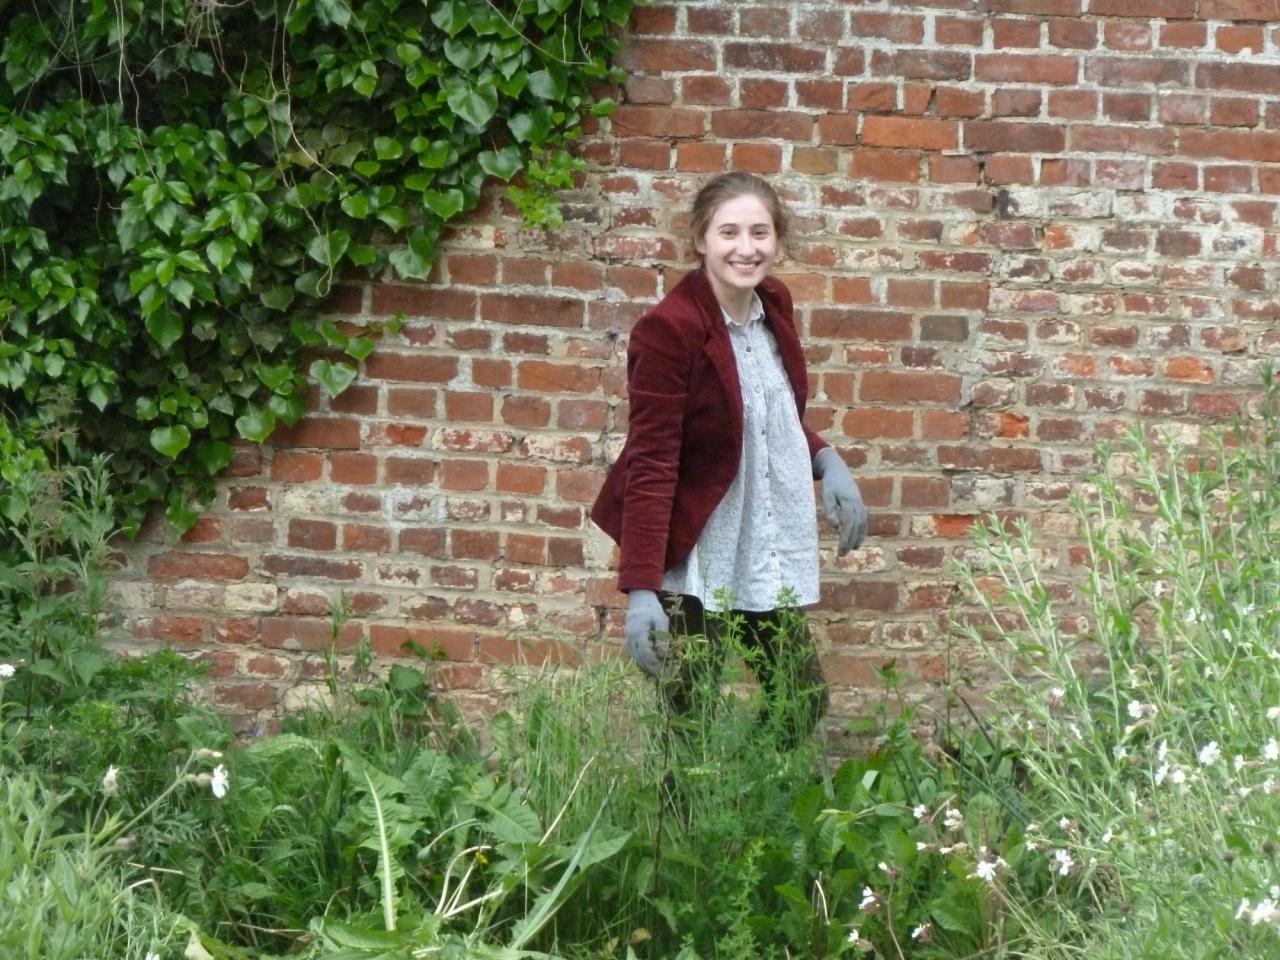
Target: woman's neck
733,301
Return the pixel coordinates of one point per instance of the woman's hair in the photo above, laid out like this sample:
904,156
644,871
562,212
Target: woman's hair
729,186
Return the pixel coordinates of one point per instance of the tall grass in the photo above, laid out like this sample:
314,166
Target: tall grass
1149,738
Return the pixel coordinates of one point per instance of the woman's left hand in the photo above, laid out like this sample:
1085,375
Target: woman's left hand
841,500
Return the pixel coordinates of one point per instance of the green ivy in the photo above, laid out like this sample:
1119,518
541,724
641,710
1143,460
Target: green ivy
182,183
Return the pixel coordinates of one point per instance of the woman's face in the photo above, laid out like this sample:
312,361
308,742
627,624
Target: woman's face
739,247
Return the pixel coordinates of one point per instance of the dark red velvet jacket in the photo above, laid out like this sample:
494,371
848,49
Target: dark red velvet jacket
684,439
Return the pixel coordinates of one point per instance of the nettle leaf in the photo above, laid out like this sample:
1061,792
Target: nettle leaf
334,377
171,440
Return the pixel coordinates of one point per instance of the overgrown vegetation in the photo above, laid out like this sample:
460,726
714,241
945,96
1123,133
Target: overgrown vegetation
1118,792
183,182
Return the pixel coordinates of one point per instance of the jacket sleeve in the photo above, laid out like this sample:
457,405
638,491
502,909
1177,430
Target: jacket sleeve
658,371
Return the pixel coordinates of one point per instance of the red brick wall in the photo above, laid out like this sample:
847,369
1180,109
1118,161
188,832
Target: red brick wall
1021,226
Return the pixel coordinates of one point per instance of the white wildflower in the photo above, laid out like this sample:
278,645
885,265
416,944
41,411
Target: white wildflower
1162,751
921,933
110,783
1242,909
7,670
151,955
1057,696
220,782
854,936
954,848
1065,823
1062,862
1264,912
1162,773
1135,709
868,899
1273,713
1107,835
1210,753
920,811
1075,730
953,819
921,846
986,867
1272,750
1238,762
1269,785
1178,777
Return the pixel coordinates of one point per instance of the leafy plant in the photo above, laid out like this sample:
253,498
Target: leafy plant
1148,727
184,182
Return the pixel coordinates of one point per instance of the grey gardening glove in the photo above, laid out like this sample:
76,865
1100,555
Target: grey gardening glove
841,500
646,631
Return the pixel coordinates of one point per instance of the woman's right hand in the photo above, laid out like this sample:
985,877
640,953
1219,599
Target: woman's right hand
646,631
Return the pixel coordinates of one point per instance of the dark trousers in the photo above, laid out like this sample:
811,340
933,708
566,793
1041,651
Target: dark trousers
776,647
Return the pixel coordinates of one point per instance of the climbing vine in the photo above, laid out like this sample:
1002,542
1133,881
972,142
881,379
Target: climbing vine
182,182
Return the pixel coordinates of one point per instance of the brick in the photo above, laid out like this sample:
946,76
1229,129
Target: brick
414,471
644,55
900,28
197,566
464,474
774,57
1156,9
924,65
1251,77
293,565
1073,34
1262,10
1133,71
960,31
909,133
761,158
865,423
750,124
531,310
1015,103
312,534
890,165
332,433
995,135
1019,68
1015,33
916,387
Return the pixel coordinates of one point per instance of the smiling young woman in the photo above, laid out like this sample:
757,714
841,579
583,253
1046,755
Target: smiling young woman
711,501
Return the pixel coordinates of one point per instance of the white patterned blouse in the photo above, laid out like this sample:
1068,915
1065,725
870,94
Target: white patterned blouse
762,538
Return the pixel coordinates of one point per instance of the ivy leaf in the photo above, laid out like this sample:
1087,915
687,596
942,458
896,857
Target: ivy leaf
214,455
256,424
466,56
99,395
451,16
358,348
171,441
548,85
476,106
181,289
387,148
444,204
165,327
504,163
275,375
220,252
531,127
277,298
334,377
355,205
